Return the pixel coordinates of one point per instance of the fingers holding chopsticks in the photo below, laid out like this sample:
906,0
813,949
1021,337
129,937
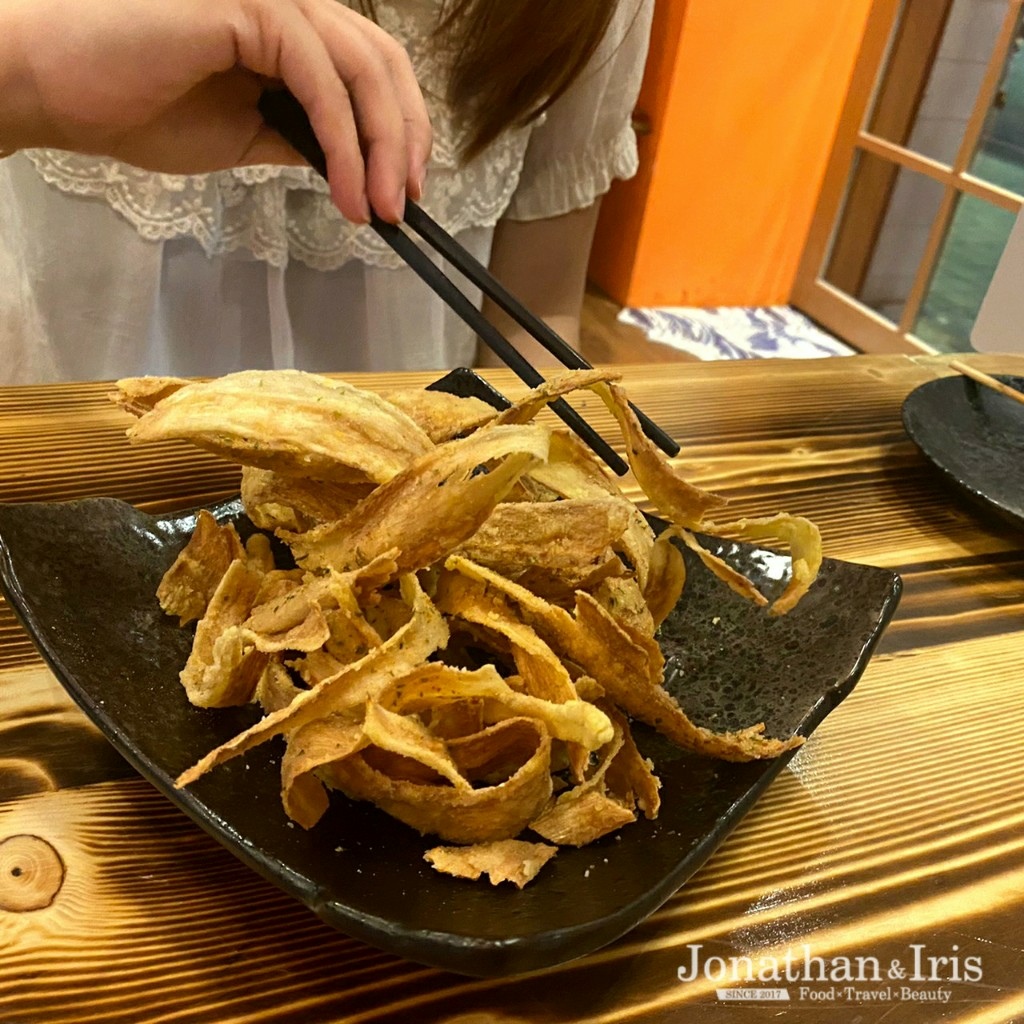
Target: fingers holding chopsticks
174,86
367,109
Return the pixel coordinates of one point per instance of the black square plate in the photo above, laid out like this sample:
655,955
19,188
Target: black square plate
82,578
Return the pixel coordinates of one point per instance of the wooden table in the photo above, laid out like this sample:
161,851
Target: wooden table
898,826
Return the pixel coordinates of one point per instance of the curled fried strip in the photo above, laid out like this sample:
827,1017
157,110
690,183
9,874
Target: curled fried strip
288,421
674,497
188,585
455,480
478,815
411,645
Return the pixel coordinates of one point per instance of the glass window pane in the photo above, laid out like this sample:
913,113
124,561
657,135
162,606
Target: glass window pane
937,59
974,243
883,233
999,157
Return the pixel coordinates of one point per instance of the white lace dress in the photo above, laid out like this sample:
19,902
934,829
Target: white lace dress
109,271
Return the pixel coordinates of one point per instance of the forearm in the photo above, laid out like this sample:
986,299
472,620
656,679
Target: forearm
544,265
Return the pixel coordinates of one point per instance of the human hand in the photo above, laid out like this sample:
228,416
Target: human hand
172,85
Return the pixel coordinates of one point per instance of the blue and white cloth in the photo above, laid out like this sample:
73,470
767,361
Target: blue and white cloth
736,332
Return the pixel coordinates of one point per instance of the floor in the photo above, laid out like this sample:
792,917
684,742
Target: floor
610,334
603,339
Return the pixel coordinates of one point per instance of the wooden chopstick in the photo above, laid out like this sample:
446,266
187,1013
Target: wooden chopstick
984,378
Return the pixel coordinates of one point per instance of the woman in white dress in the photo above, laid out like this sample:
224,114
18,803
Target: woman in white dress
109,270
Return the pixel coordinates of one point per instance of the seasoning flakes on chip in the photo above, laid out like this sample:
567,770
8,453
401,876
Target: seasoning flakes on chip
466,625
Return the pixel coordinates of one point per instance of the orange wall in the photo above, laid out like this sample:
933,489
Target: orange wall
743,97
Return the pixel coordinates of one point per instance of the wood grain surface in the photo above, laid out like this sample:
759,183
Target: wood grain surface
897,832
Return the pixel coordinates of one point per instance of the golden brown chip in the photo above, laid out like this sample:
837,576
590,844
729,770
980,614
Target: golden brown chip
442,415
586,811
224,666
277,501
495,752
527,407
732,578
309,748
542,672
804,540
138,395
565,539
425,632
460,816
573,471
623,600
507,860
275,688
190,582
291,422
630,777
666,577
456,482
674,497
259,555
580,816
628,666
574,721
408,737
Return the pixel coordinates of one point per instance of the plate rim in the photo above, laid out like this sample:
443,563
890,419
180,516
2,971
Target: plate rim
956,384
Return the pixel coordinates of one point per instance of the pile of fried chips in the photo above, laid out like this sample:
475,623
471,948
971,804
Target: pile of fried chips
468,623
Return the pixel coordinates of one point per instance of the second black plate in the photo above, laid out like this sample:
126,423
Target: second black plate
975,436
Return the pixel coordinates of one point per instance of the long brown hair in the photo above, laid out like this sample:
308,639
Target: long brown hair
513,58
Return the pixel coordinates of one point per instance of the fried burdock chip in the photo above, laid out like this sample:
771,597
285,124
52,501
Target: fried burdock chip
442,415
804,541
666,577
566,540
424,633
224,666
188,585
291,422
626,664
673,496
527,407
507,860
279,501
474,815
138,395
459,483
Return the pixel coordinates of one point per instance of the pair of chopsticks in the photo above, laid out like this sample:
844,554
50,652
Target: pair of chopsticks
984,378
285,114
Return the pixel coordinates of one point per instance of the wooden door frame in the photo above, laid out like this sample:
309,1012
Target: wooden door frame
822,300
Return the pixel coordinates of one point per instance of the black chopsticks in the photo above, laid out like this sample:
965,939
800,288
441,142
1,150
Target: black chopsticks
466,263
285,114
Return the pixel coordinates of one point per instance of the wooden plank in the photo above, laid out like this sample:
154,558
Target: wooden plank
154,919
899,824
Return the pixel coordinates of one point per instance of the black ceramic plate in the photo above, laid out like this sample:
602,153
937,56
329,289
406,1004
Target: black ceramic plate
975,436
82,577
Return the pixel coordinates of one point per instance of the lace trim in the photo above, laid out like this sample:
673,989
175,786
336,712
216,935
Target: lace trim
577,179
277,213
